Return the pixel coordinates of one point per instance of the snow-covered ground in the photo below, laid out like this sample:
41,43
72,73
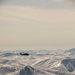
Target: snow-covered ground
39,62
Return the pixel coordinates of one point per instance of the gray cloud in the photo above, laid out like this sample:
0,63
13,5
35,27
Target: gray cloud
37,3
1,1
71,1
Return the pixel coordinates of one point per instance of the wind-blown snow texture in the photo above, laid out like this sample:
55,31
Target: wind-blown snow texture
39,62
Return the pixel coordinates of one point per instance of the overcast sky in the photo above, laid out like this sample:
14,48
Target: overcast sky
37,24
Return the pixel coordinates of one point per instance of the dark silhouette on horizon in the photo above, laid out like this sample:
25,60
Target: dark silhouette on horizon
26,54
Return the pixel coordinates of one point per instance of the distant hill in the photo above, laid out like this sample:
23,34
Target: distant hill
70,50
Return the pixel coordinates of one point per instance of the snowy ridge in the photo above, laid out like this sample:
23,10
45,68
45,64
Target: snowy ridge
38,62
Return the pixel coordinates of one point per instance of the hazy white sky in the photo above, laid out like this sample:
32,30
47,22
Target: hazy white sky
37,24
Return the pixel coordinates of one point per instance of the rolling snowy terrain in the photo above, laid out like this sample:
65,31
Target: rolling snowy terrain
38,62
